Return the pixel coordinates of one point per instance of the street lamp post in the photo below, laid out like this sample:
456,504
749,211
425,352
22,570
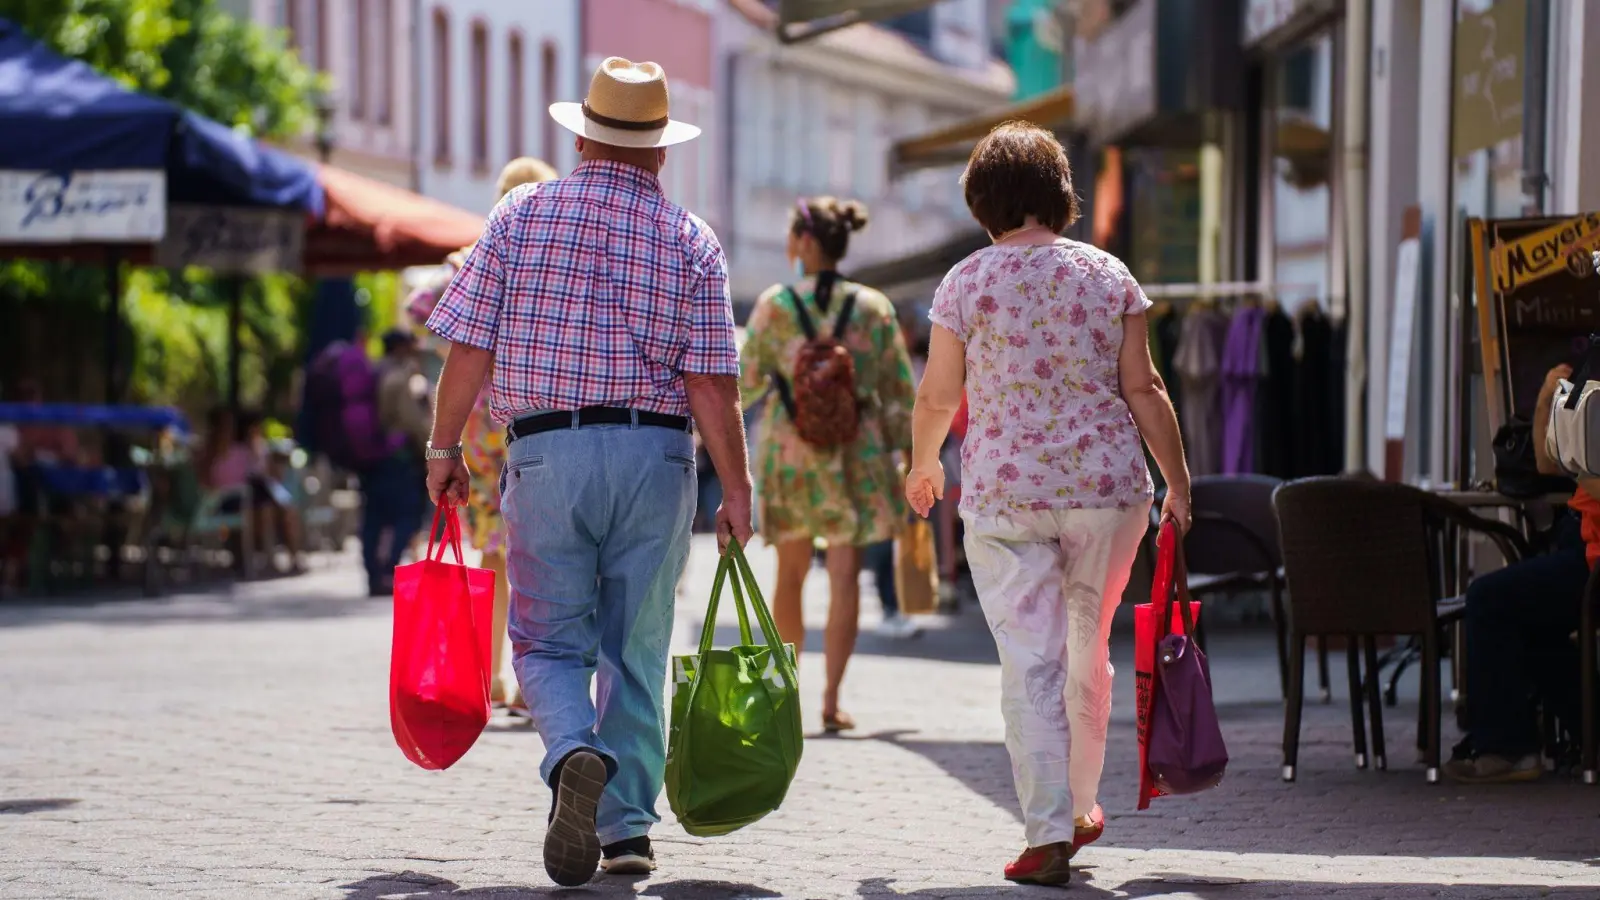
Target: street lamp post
325,110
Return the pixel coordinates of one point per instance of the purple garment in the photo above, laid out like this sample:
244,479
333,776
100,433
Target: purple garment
1241,371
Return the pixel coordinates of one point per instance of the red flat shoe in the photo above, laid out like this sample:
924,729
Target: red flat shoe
1084,835
1047,865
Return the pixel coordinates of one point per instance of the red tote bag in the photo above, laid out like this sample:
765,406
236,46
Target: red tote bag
439,664
1169,583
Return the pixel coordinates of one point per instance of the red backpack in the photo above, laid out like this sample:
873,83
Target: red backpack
822,401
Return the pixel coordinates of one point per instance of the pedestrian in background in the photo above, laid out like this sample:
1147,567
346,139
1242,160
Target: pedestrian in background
602,309
847,497
393,505
485,445
1048,339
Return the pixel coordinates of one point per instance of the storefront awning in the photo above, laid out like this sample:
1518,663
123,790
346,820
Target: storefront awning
935,261
802,20
953,143
372,226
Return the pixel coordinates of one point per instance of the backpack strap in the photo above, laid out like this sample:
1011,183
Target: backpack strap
845,309
801,313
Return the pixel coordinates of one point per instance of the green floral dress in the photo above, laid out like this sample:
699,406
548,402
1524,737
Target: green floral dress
853,495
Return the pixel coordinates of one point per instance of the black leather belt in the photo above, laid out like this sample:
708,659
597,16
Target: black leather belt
594,415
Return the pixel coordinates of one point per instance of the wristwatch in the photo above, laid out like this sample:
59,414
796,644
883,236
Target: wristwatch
442,452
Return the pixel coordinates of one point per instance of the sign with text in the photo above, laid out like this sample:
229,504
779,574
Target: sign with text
1563,246
1546,318
91,206
1489,73
233,240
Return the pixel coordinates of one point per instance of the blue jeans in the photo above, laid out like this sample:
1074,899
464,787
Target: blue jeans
1519,648
394,499
598,524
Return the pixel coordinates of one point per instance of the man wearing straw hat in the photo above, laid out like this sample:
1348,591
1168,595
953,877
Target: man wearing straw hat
600,311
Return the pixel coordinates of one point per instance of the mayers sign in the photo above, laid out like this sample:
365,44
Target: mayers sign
94,206
233,240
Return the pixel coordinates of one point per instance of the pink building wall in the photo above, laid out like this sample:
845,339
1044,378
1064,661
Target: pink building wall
674,33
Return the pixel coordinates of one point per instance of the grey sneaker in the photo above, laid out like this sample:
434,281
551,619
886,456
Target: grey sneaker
571,846
1490,768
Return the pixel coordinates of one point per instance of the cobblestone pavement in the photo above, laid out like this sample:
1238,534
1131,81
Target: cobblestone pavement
237,745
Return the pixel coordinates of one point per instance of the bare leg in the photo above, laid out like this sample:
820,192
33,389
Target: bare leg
844,613
788,610
496,563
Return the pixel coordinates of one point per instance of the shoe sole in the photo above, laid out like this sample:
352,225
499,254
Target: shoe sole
571,847
1513,777
629,865
1049,878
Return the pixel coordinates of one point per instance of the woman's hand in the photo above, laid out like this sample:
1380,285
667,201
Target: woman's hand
1176,508
924,485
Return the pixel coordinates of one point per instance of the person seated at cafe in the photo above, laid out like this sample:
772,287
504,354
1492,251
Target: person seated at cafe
235,460
1520,620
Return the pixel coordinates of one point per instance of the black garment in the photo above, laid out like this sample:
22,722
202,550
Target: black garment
1318,447
1168,328
1275,398
1519,648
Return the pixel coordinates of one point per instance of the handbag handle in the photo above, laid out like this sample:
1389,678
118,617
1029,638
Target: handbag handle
1178,588
736,568
452,534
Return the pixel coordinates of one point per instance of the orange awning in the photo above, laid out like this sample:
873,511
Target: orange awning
1052,109
373,226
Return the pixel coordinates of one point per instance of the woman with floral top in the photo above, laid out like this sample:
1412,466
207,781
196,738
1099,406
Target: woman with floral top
1047,337
847,497
484,444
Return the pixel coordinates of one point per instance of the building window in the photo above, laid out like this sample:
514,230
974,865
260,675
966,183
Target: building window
515,121
547,96
386,73
480,97
289,20
319,18
441,87
358,54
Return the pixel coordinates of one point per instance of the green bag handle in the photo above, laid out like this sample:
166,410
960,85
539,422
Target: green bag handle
734,563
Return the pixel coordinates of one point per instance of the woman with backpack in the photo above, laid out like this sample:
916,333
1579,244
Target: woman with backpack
827,467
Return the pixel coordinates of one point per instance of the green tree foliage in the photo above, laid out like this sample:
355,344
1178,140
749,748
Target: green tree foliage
195,54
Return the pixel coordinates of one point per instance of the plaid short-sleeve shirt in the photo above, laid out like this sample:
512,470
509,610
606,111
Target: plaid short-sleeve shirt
593,290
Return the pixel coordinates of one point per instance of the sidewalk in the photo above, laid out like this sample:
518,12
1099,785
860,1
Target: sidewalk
238,746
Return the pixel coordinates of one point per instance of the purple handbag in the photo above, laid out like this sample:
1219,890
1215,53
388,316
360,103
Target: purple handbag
1186,753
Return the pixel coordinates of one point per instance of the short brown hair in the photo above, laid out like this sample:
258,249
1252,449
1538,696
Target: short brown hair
830,220
1020,170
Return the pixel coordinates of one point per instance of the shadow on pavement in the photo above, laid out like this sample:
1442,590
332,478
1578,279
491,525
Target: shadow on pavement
45,804
1333,810
417,884
959,639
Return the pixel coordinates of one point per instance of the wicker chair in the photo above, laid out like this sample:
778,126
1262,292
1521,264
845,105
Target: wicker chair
1365,559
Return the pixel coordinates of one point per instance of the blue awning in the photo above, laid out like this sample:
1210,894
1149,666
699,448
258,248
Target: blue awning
61,115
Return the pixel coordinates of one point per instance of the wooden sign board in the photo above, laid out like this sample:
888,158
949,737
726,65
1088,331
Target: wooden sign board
1543,302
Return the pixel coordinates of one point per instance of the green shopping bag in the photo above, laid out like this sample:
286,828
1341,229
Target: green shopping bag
735,738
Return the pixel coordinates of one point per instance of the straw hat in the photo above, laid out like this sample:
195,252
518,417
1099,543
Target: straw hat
626,107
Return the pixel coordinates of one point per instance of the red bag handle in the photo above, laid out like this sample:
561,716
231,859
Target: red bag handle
1178,589
452,534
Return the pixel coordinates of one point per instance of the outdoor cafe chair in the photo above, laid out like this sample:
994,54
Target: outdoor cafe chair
1366,559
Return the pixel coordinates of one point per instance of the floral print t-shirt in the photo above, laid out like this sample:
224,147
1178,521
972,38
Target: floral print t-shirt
1049,429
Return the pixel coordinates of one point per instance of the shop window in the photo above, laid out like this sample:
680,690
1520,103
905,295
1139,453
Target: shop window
319,19
441,87
480,97
515,121
1299,81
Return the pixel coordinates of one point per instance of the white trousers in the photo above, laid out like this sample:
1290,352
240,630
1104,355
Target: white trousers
1049,582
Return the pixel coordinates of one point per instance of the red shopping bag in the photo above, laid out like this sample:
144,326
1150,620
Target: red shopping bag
439,664
1168,585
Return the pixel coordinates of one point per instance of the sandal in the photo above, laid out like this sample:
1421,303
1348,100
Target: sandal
1084,834
839,721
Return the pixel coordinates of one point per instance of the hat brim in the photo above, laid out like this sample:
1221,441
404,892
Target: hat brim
570,116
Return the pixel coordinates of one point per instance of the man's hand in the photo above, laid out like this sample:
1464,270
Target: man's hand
449,481
734,519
